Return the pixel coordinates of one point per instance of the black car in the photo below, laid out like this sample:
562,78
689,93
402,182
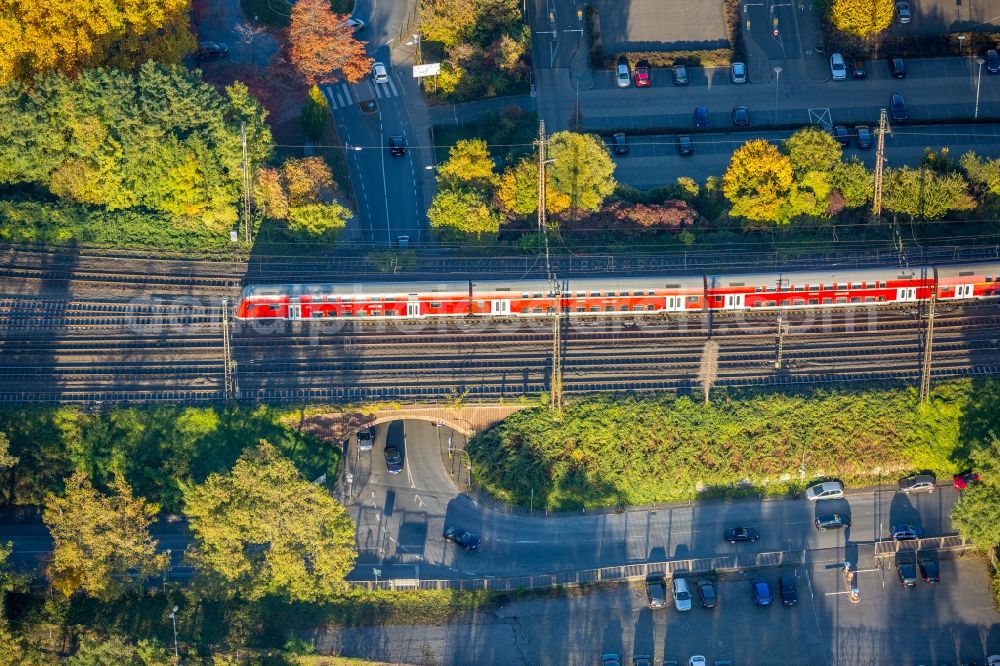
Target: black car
906,532
832,521
842,135
929,570
858,69
897,68
620,143
786,586
907,572
463,538
734,534
701,120
706,590
208,50
393,460
680,75
864,136
397,146
897,107
656,590
642,660
684,145
741,116
992,61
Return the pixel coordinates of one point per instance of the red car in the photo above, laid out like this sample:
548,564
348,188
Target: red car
642,79
963,480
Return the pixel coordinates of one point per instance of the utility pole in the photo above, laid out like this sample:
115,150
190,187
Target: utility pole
883,127
229,370
246,184
782,329
925,371
555,380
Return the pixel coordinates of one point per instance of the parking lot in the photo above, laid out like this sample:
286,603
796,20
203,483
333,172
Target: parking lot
948,623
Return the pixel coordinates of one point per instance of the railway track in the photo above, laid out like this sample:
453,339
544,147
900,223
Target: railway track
127,350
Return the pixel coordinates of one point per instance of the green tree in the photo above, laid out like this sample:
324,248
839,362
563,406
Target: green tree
114,651
582,170
983,172
12,647
7,461
812,149
518,190
469,164
862,18
925,194
264,530
447,21
100,540
315,114
854,182
463,210
759,183
318,218
977,514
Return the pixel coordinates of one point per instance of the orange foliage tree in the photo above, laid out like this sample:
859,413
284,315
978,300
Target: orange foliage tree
321,44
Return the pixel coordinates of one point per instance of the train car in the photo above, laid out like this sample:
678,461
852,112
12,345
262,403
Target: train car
618,296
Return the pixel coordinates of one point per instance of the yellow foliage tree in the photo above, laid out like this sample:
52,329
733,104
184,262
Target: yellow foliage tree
862,18
759,183
469,163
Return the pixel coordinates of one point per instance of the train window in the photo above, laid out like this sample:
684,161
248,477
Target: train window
525,310
376,313
609,293
869,299
989,278
855,299
758,289
771,288
813,301
623,293
841,285
565,310
841,299
525,294
376,299
785,302
537,311
755,304
828,287
580,308
609,308
650,292
594,308
881,299
814,287
827,301
639,292
316,313
799,287
537,294
638,308
966,273
595,293
435,304
770,304
883,284
624,308
692,299
390,313
650,307
480,304
855,285
552,309
273,308
581,294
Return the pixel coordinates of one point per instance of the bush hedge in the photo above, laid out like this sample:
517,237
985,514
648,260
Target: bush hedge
621,450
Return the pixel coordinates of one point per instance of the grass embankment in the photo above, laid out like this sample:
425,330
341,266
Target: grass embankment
611,451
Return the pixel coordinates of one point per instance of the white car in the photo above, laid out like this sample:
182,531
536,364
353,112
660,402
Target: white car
682,595
993,660
697,660
624,79
379,73
838,68
825,490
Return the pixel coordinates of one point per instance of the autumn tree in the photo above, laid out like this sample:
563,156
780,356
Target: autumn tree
518,190
448,21
323,44
263,530
463,210
68,36
812,149
862,18
470,165
759,183
925,194
582,169
101,542
982,172
854,182
315,114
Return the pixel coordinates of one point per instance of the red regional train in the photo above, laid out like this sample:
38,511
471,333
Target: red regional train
587,297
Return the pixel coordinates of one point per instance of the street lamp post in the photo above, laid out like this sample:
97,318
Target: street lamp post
777,78
979,79
173,618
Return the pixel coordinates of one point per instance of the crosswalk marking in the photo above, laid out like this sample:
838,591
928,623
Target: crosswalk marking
340,95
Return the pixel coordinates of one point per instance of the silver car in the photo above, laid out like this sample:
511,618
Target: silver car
379,73
682,595
918,483
738,72
825,490
624,78
838,68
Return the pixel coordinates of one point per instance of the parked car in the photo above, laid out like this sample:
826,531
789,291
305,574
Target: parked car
786,587
858,70
827,489
917,483
992,61
620,143
738,72
697,660
397,146
993,660
907,572
903,12
761,593
832,521
706,590
963,480
656,590
684,145
642,660
680,75
864,135
701,120
929,570
354,24
682,594
842,135
366,439
393,460
207,50
897,107
610,659
897,68
906,532
379,73
741,116
838,68
734,534
623,79
642,79
463,538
